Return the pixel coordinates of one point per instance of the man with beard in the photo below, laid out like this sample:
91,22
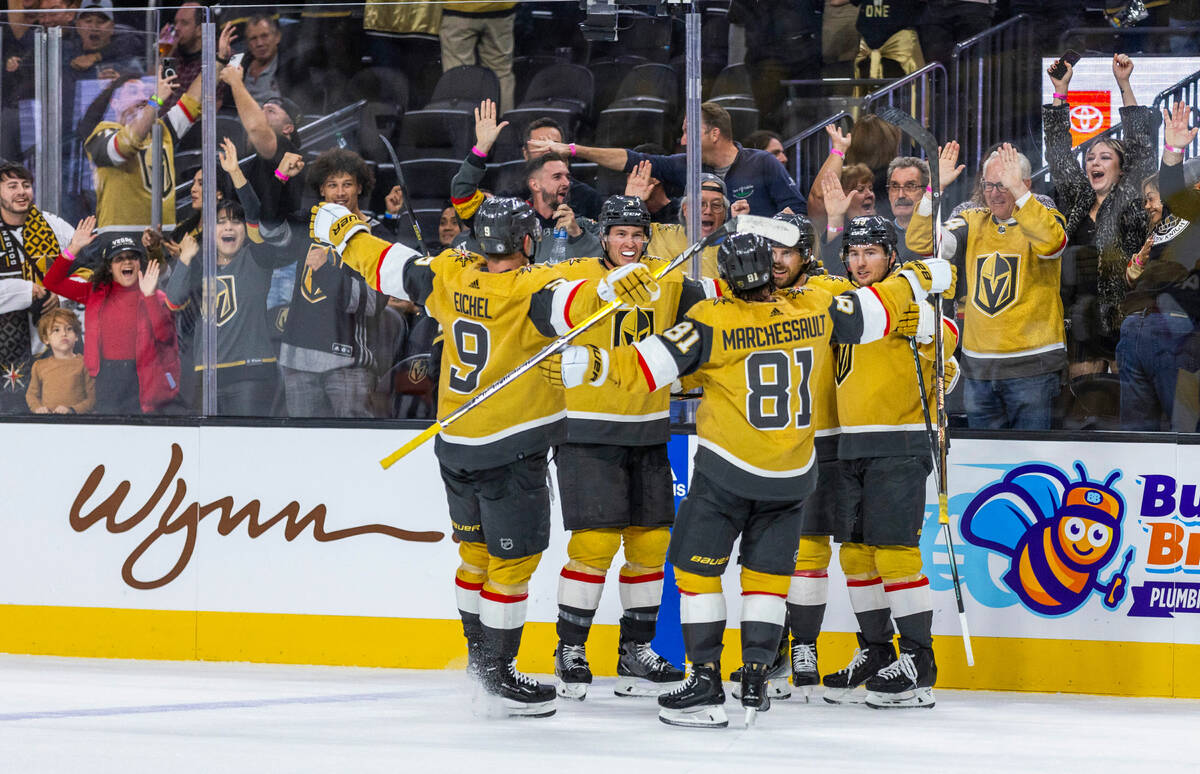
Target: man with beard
29,241
549,184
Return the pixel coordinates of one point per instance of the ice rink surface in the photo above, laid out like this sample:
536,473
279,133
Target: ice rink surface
93,716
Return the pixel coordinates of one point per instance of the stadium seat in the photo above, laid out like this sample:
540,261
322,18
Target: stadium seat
625,127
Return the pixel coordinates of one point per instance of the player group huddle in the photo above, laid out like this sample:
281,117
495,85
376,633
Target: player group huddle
809,431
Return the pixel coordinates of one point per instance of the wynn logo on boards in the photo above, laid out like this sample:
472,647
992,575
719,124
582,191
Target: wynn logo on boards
176,516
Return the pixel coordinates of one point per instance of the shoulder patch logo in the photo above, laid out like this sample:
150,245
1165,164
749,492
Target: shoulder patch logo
996,282
309,290
226,298
632,325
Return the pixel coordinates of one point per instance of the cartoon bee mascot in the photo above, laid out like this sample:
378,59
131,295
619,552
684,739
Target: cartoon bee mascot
1058,535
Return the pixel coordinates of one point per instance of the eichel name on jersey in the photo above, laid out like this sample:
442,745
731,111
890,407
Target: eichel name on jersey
609,416
491,324
1012,325
756,361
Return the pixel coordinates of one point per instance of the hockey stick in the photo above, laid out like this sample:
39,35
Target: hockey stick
923,137
933,447
776,230
404,190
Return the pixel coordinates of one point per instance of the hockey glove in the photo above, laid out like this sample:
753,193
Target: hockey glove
916,321
333,224
631,284
931,276
576,365
950,372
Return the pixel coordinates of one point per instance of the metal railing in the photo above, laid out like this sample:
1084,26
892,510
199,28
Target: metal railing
922,93
994,94
807,151
1187,91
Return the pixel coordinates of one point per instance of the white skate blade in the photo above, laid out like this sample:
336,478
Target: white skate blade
777,688
639,688
805,694
576,691
704,716
919,697
751,717
856,695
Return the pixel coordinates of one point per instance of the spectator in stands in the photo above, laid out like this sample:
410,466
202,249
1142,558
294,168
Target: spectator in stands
875,143
783,42
327,364
640,183
449,226
57,13
186,53
749,174
1007,256
889,47
59,382
1104,210
585,200
29,242
872,146
481,33
948,22
1157,351
839,38
908,177
248,249
546,177
765,139
100,48
121,150
16,41
668,240
130,348
847,197
263,76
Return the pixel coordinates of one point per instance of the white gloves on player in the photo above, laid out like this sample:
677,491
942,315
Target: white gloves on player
631,284
576,365
333,224
932,276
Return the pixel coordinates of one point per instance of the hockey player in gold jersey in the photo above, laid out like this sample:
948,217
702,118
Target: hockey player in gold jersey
885,461
1013,350
495,310
754,354
614,477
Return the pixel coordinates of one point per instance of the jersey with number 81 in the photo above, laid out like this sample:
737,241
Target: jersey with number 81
755,361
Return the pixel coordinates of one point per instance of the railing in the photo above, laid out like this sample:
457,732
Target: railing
807,151
994,94
1116,35
1186,91
922,93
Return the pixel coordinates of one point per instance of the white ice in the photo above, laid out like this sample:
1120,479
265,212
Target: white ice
97,716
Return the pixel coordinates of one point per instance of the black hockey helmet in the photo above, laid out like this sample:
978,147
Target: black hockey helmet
870,230
805,242
502,223
745,262
622,210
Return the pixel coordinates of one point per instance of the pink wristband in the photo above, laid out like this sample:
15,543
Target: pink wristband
835,229
571,147
70,256
1063,97
282,177
928,189
478,152
836,152
1172,149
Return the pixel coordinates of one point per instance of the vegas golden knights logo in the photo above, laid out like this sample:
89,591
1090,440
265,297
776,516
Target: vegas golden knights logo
226,298
310,290
995,282
845,361
632,325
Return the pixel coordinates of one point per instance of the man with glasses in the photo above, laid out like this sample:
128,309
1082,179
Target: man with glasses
1008,250
908,177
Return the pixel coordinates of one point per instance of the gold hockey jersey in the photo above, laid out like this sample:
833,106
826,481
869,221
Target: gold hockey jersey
492,322
668,240
610,416
1013,321
825,414
756,360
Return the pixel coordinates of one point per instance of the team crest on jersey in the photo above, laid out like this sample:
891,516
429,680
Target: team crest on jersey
632,325
996,281
281,318
226,298
310,290
845,362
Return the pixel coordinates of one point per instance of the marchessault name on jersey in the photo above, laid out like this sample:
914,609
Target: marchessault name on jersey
782,332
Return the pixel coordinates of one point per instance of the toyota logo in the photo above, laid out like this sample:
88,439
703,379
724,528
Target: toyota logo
1086,119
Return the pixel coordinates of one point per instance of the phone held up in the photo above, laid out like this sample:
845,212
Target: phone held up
1059,68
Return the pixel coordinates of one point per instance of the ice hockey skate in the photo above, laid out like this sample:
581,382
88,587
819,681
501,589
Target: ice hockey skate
777,676
805,677
907,682
572,670
642,672
513,693
697,702
846,685
754,691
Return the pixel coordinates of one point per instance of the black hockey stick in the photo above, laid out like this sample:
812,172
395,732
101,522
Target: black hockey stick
933,447
404,190
776,230
924,138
